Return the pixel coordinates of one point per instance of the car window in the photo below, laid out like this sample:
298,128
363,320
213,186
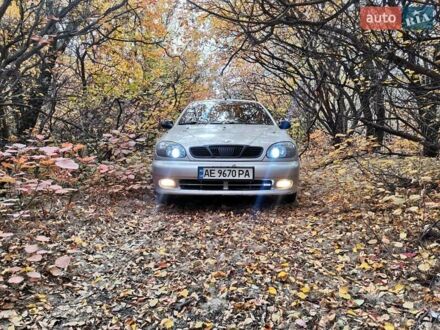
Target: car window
248,113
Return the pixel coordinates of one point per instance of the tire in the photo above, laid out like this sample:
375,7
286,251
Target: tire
162,198
291,199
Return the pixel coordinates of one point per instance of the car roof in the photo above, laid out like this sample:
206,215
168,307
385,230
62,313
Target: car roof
225,101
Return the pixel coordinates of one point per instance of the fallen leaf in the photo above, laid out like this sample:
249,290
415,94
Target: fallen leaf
343,293
62,262
413,209
398,288
55,271
31,248
272,291
365,266
282,275
167,323
41,238
35,258
14,269
408,305
66,163
351,312
49,150
424,267
388,326
7,179
301,295
15,279
397,212
305,289
184,293
34,275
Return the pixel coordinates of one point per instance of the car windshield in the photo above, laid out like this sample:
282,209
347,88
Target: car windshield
225,112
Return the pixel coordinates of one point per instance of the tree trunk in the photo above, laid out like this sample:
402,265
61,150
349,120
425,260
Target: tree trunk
29,115
364,97
4,130
430,126
379,110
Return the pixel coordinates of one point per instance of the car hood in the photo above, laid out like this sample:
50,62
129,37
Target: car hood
196,135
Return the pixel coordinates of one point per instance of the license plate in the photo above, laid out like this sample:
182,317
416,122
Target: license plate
222,173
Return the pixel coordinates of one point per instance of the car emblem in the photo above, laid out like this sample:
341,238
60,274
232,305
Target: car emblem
226,141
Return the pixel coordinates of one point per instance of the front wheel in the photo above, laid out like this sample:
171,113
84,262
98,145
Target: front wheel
291,199
162,198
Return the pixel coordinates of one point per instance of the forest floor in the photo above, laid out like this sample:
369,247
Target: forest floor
345,257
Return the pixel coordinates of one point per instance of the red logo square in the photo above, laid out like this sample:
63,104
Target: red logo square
381,18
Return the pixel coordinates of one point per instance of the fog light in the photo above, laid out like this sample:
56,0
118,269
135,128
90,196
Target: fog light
284,184
167,183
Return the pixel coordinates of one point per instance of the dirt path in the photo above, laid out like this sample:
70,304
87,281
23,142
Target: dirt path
226,263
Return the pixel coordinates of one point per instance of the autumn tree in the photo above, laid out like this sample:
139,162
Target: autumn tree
34,36
387,80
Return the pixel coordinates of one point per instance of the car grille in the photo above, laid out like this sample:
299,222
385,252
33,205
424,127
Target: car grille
225,184
226,151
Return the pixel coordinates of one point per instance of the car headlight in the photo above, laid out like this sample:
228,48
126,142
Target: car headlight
170,150
281,150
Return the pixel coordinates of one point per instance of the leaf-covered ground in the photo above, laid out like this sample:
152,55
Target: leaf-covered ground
348,256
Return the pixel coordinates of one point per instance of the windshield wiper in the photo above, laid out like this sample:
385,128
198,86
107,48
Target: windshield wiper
223,122
192,123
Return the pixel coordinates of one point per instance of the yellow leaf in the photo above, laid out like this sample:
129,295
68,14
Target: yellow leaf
184,293
167,323
283,275
272,291
198,325
343,293
365,266
398,288
305,289
301,295
7,179
42,297
424,267
388,326
351,312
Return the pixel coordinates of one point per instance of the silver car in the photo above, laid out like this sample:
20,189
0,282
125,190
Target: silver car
226,147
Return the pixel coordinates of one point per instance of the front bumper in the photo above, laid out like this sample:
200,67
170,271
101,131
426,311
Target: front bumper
263,170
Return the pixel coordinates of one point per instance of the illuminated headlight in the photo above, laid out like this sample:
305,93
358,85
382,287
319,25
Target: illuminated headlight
281,150
167,183
170,150
284,184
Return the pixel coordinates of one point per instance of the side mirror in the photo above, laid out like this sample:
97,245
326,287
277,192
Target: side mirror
284,124
167,124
